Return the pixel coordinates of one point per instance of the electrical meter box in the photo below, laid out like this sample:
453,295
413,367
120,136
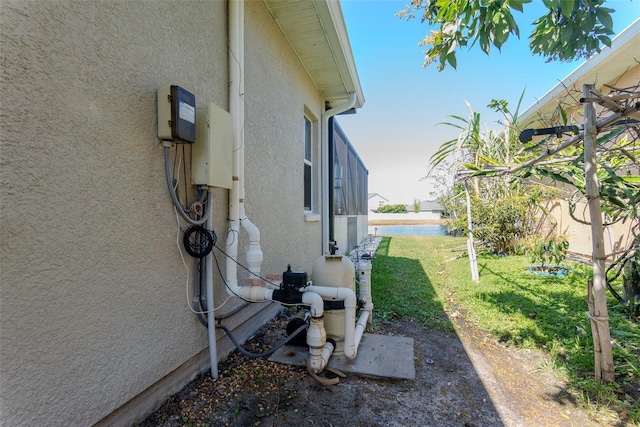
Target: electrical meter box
176,115
212,153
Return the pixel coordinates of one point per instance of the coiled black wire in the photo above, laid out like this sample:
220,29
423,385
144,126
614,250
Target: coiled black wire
198,241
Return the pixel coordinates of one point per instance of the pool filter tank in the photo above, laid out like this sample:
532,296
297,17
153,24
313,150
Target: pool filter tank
335,271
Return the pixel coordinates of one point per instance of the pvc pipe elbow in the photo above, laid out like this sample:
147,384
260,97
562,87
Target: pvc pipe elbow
254,254
316,303
351,346
319,357
252,231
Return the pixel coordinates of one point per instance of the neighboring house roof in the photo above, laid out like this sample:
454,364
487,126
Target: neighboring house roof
317,33
427,206
372,195
600,69
431,206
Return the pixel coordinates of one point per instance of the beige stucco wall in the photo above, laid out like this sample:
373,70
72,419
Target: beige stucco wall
617,236
92,294
275,108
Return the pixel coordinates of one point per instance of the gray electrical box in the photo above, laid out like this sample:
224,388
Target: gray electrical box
212,153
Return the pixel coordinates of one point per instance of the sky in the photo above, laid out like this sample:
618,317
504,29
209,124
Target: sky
397,130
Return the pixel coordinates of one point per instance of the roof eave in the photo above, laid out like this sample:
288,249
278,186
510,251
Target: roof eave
600,69
330,13
337,78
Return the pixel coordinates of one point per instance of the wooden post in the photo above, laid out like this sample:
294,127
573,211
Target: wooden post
597,350
598,314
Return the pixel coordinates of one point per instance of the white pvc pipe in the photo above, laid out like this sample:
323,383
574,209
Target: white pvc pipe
324,134
327,350
316,340
319,357
235,31
360,327
315,302
350,301
254,253
237,216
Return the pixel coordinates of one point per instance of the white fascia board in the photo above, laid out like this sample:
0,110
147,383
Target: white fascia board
332,20
612,62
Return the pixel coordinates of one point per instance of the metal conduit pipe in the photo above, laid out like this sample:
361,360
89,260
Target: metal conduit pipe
211,330
174,196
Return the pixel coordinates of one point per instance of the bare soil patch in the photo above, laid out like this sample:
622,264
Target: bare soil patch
462,379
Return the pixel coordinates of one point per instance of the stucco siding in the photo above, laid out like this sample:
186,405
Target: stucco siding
277,93
93,304
617,236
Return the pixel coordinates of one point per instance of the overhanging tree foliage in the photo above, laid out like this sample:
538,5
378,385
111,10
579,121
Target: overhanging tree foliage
605,171
571,29
504,208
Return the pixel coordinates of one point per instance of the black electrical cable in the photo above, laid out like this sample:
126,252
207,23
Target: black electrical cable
197,288
266,353
198,241
232,312
240,265
215,258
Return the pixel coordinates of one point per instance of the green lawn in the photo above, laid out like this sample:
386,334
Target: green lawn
426,277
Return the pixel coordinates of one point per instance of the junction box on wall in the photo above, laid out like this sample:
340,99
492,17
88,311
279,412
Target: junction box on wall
212,153
176,115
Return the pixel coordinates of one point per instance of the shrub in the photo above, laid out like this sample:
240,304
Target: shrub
501,222
392,209
547,250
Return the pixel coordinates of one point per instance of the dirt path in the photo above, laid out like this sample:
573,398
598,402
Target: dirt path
522,390
463,379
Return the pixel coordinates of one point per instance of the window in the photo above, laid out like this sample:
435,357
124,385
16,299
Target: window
308,165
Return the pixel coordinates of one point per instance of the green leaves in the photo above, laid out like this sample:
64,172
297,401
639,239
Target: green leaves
567,6
571,29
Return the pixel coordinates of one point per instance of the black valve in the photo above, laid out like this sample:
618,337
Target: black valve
292,282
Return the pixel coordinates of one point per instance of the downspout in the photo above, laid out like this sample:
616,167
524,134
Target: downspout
231,245
254,254
237,216
316,335
332,183
325,165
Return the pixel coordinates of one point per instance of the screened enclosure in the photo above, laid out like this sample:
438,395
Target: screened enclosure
350,189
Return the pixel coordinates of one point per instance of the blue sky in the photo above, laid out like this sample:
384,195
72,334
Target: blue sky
397,130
